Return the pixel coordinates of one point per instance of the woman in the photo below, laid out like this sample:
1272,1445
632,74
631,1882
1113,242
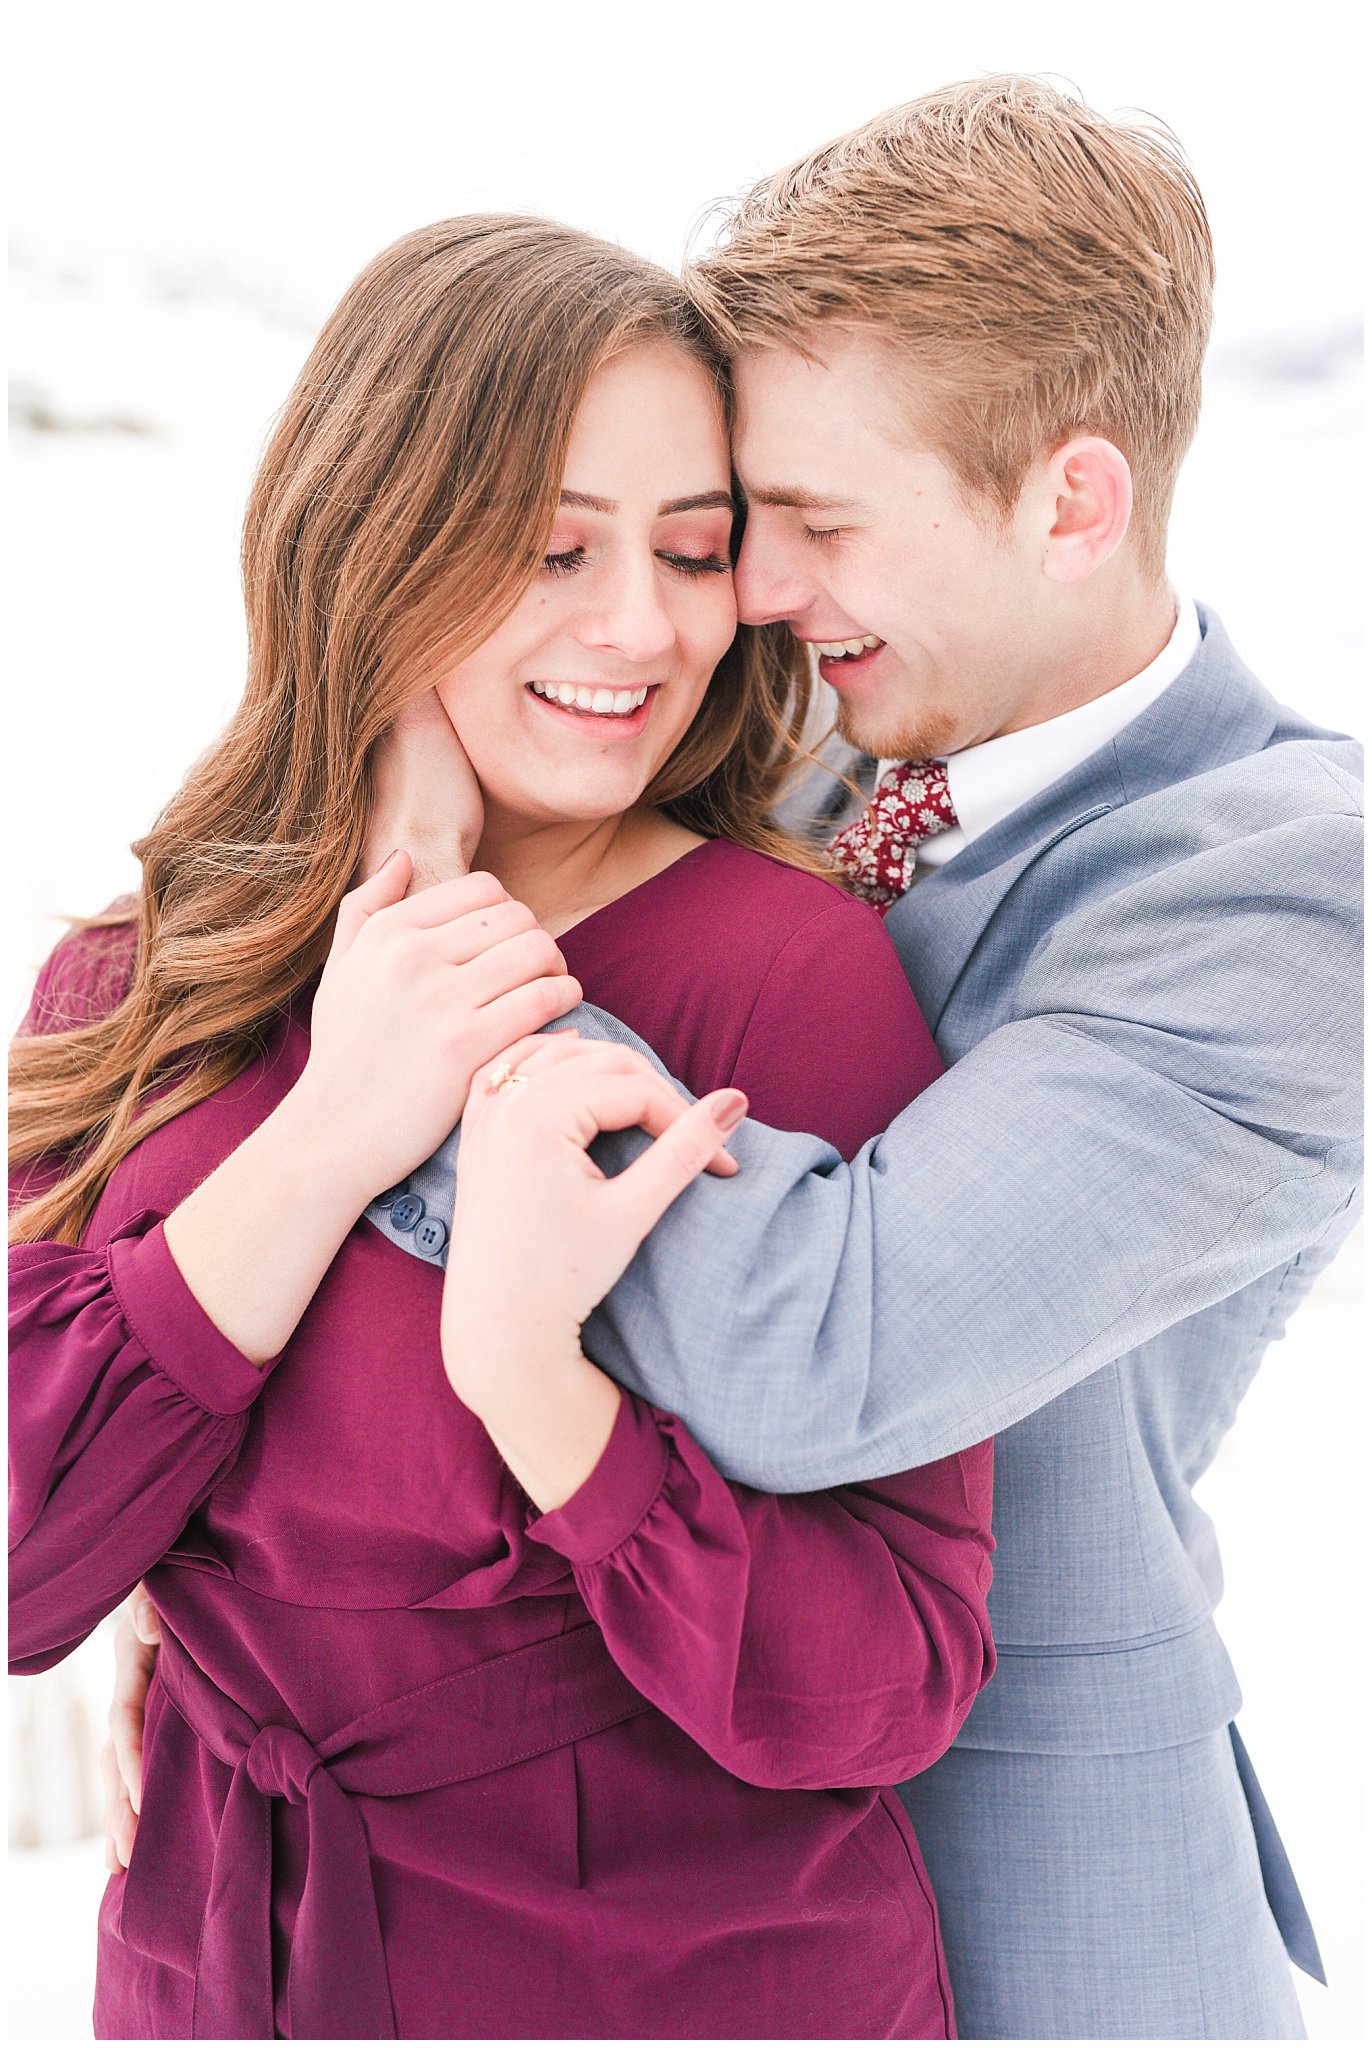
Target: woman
499,1715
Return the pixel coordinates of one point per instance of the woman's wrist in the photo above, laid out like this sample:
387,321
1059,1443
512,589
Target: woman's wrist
548,1410
254,1240
313,1143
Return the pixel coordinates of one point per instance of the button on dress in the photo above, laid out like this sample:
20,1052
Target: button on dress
420,1761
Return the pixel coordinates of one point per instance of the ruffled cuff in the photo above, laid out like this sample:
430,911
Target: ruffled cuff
170,1325
613,1499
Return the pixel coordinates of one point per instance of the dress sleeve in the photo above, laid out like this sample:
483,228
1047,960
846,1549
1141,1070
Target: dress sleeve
126,1403
803,1640
807,1640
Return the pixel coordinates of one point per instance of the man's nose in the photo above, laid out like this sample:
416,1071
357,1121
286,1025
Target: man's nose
768,584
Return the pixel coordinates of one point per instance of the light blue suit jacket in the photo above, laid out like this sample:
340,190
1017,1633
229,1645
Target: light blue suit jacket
1147,983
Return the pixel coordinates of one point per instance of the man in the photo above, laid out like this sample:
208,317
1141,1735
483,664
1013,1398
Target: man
1123,885
969,342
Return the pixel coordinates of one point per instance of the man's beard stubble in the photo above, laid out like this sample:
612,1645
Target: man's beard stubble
932,737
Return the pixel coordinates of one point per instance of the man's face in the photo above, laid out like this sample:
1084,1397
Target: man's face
856,534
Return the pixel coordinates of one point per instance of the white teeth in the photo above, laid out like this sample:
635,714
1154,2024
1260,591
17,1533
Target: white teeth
606,703
836,650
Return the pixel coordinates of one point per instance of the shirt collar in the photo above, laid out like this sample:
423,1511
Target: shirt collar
989,781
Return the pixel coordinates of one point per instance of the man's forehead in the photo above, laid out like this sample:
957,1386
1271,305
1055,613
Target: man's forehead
810,428
826,396
791,448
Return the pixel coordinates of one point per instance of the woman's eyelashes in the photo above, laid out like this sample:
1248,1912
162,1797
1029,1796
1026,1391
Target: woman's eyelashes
697,565
570,560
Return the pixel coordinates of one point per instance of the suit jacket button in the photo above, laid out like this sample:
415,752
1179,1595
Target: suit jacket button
431,1236
406,1212
389,1196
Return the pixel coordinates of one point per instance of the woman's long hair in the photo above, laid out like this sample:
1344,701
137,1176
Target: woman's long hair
401,510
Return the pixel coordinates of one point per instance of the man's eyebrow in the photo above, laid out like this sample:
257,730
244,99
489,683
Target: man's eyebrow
799,500
703,501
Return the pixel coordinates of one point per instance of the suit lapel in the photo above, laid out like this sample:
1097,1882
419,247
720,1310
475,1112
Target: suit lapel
936,925
1215,712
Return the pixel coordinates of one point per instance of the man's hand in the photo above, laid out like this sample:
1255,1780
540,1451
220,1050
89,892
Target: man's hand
136,1637
425,797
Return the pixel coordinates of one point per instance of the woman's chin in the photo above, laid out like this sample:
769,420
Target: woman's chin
586,800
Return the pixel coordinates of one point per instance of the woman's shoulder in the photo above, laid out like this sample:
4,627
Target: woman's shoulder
769,902
832,1040
87,974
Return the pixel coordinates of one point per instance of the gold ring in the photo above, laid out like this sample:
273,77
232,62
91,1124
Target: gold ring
505,1077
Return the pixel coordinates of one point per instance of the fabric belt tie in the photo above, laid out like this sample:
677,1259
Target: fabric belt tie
486,1718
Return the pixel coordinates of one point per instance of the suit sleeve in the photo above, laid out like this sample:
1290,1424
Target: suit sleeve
824,1639
126,1403
1172,1111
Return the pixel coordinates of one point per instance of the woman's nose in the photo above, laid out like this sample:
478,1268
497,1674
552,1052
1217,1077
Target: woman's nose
631,618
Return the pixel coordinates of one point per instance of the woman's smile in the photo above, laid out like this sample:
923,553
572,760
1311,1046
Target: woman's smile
598,709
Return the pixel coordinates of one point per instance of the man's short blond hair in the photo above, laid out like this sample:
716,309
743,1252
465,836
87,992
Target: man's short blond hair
1039,269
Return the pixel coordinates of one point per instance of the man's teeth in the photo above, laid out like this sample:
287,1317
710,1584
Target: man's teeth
609,703
835,650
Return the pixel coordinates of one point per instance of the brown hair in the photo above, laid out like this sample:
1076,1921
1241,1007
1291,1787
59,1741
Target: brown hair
1039,270
401,509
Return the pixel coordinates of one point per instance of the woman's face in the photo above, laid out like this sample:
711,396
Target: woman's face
573,704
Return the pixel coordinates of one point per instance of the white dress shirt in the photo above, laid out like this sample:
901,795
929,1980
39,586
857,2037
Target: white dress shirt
988,781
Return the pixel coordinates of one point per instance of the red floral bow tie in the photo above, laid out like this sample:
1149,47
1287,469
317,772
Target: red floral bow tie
910,804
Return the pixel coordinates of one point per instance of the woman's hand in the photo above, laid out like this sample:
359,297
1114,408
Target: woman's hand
540,1235
414,997
425,797
136,1637
417,993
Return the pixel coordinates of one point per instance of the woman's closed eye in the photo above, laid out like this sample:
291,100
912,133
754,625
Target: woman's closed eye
696,565
571,559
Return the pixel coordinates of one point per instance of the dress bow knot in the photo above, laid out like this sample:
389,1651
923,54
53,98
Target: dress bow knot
281,1763
477,1720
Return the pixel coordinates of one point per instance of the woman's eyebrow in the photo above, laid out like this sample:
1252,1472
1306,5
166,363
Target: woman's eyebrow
703,501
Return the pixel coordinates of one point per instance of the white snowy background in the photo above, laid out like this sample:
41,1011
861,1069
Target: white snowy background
193,189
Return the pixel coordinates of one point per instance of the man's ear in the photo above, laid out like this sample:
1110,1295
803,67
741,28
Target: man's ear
1091,492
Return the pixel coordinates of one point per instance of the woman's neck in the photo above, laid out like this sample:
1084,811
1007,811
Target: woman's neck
566,870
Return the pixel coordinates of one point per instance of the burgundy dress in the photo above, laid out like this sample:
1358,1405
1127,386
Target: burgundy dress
420,1761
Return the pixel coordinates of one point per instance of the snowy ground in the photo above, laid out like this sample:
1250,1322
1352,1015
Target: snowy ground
127,654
